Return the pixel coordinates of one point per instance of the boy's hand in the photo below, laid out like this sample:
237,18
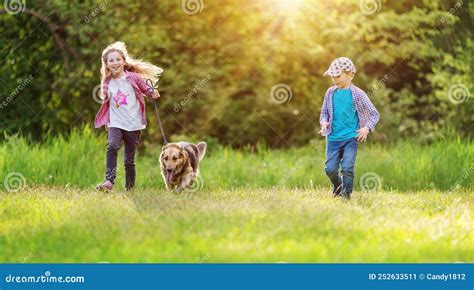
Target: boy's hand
324,126
155,95
362,134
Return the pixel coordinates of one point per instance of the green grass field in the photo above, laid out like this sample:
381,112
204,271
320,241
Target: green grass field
47,224
413,203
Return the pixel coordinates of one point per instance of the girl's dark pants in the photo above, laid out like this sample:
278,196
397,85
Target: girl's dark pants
131,140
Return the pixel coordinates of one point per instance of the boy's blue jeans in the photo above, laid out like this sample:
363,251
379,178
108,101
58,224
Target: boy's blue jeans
341,153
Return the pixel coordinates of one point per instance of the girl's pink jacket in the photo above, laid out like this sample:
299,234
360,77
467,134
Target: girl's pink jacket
139,86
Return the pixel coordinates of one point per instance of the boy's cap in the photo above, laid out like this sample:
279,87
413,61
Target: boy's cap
339,65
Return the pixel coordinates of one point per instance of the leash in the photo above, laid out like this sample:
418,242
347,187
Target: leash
161,125
151,89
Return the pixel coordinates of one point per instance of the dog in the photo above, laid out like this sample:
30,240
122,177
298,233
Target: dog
179,164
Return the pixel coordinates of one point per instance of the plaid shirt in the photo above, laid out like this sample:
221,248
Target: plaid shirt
140,88
367,113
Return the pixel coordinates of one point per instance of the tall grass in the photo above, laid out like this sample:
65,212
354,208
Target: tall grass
79,160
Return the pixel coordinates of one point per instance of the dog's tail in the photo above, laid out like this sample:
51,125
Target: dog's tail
201,150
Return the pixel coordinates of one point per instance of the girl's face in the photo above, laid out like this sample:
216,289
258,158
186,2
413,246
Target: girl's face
343,80
115,63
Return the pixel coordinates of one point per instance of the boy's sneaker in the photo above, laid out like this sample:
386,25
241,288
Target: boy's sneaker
106,185
346,196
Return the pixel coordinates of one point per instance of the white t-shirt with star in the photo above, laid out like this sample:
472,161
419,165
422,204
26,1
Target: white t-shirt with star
124,107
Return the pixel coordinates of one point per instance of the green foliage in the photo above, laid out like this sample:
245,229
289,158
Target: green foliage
409,56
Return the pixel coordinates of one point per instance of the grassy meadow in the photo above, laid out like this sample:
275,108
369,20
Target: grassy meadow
79,161
413,203
45,224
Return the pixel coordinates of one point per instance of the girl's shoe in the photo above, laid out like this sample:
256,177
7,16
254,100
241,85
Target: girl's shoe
106,185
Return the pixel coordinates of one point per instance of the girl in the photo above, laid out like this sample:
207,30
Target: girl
123,107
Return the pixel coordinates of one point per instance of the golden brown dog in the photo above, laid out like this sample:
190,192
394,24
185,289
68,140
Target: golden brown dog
179,164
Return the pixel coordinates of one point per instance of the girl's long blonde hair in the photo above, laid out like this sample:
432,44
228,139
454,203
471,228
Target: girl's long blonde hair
144,69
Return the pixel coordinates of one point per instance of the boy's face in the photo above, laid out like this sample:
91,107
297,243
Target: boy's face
115,63
343,80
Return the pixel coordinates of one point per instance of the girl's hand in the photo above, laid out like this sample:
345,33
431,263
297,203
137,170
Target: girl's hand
362,134
324,126
155,94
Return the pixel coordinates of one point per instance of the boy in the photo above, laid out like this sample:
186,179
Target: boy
346,118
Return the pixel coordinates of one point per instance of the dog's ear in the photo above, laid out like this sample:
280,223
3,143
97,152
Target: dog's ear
201,149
